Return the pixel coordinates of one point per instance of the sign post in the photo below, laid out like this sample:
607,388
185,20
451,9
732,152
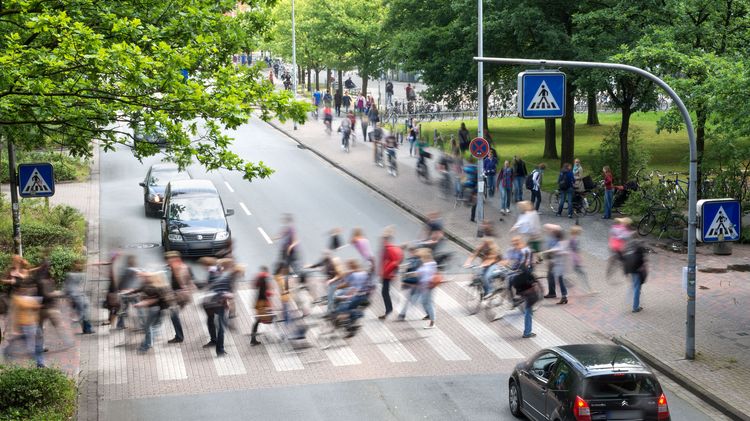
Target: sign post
692,184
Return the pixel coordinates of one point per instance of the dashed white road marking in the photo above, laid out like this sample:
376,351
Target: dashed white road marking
244,208
231,190
263,233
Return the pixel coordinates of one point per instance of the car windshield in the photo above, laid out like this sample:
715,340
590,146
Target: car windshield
620,385
162,177
195,208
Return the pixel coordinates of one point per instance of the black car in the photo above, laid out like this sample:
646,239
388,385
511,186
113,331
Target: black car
156,137
194,221
157,178
586,383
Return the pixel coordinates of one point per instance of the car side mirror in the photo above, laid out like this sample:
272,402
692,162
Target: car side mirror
142,184
229,212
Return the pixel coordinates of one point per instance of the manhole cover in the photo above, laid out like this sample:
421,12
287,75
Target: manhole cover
142,246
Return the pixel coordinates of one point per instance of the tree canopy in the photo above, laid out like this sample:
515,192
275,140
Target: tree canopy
75,71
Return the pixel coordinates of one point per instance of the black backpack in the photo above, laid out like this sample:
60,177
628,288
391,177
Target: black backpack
530,181
633,256
562,181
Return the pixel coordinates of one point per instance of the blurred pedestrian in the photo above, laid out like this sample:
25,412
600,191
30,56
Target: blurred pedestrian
346,101
537,177
74,290
490,171
619,234
412,137
528,225
634,263
609,191
50,310
128,280
463,138
337,99
216,304
25,307
182,286
557,254
362,245
519,176
263,310
156,297
427,273
574,248
566,186
392,256
505,185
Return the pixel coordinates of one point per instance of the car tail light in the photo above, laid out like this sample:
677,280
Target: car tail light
581,410
662,410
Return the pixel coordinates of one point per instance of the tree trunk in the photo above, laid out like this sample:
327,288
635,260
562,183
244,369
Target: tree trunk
700,140
317,79
550,139
593,116
328,80
624,156
341,84
309,75
568,126
365,79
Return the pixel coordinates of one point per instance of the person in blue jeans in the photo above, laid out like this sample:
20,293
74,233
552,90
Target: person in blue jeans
155,299
634,262
505,186
565,182
519,177
490,171
609,191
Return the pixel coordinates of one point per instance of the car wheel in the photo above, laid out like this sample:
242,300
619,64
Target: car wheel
514,399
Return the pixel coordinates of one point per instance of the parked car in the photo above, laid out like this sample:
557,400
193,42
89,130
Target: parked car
586,383
157,178
194,220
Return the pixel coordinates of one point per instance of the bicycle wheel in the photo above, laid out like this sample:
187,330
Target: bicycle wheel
594,203
493,309
554,201
676,227
422,173
474,296
647,224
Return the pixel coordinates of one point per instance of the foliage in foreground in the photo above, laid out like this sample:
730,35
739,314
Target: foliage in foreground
36,394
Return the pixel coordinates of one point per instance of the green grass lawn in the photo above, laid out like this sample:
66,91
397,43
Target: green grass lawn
525,138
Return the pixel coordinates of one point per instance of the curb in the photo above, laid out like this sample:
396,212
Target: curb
713,400
398,202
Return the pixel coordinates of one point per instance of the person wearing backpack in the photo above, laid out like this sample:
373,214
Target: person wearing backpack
505,186
634,263
534,183
565,184
519,176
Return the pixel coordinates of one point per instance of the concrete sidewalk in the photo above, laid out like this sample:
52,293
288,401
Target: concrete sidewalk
721,372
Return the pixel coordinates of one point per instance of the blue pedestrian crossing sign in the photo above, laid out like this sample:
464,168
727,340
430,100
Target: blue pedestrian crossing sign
719,220
541,94
36,180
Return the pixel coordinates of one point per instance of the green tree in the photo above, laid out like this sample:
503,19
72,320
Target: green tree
73,71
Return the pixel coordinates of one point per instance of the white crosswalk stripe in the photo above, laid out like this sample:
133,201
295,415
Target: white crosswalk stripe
435,338
169,362
385,340
339,352
112,358
282,355
480,330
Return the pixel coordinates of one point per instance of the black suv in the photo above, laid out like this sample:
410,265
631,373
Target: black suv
586,383
194,220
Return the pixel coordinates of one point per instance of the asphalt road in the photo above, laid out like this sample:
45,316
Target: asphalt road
320,198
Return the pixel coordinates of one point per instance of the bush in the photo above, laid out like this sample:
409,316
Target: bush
36,394
609,153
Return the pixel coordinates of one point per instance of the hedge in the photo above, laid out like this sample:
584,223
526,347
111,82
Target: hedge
36,394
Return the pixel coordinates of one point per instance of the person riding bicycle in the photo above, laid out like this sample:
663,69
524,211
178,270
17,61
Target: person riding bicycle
353,296
346,132
348,84
328,117
519,259
489,254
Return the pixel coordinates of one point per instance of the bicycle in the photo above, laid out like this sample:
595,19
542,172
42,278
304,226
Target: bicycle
580,203
423,173
379,154
446,186
475,291
669,222
392,164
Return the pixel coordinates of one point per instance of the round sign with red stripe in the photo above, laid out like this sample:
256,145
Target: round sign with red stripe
479,147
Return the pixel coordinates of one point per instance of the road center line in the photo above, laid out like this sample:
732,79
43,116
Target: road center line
244,208
231,190
263,233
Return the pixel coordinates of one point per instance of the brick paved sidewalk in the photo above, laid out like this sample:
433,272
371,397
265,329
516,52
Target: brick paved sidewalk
721,369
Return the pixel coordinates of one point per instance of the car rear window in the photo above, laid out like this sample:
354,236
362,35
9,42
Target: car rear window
619,385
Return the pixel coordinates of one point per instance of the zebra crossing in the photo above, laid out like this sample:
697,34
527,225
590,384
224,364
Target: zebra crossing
457,339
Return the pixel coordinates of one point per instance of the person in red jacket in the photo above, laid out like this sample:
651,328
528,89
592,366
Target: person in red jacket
392,255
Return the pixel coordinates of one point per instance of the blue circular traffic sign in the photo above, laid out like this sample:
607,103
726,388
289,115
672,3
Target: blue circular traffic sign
479,147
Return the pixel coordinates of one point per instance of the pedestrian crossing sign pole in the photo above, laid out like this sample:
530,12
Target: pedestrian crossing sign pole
541,94
36,180
719,220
